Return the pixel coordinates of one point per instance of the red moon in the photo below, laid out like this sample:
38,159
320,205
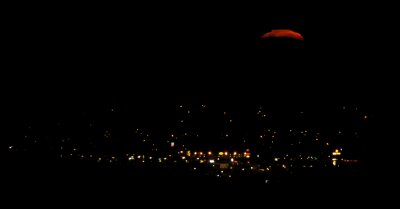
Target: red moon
283,33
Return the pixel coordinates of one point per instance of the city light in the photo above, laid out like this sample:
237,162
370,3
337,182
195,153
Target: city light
336,152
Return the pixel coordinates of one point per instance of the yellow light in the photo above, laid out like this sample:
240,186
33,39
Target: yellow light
183,157
220,153
247,156
201,161
336,152
276,159
210,153
235,153
201,153
226,153
195,153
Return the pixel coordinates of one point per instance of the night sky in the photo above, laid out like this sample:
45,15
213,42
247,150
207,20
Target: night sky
100,81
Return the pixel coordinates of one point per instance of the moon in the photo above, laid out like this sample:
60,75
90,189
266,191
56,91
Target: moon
283,33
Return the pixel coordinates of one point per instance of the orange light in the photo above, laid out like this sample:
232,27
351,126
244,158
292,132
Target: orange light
285,33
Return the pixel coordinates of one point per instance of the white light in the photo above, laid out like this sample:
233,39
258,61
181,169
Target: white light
194,168
150,158
183,157
232,159
172,144
10,147
212,161
165,158
242,169
138,156
276,159
258,155
222,171
251,168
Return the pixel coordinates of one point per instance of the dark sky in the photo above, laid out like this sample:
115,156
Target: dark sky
169,52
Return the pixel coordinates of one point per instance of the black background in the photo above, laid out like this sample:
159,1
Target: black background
61,59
